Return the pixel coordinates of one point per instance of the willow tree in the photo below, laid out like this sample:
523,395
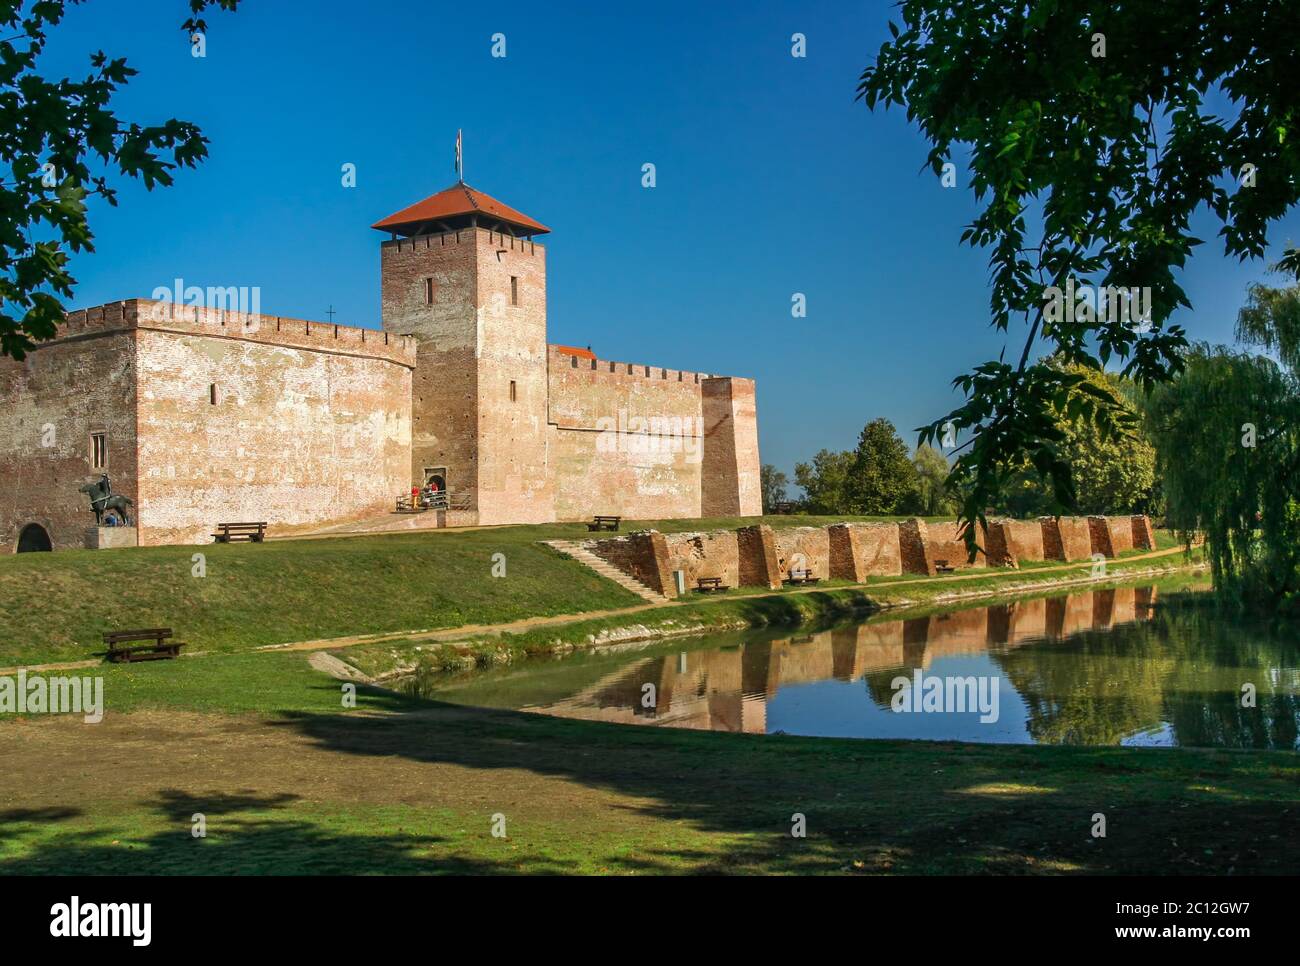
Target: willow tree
1090,133
1228,449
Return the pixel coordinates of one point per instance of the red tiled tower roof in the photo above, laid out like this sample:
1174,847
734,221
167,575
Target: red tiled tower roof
457,207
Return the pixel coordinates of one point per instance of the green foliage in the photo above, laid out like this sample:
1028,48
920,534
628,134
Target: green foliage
932,497
772,483
1227,447
875,479
1090,168
1271,319
1112,473
825,482
50,134
882,479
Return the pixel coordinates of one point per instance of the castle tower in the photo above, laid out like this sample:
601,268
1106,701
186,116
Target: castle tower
462,275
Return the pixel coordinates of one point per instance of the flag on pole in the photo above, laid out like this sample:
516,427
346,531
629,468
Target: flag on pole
460,168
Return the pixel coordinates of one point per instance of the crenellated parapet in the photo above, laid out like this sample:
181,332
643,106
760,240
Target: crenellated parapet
163,316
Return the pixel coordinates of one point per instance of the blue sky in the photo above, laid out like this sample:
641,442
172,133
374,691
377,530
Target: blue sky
772,180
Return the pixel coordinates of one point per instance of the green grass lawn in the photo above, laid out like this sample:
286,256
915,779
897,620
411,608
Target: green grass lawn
292,782
56,607
289,782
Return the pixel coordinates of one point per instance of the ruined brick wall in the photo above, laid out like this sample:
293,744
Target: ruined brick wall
803,548
944,542
60,394
756,548
643,555
862,550
714,554
258,424
1121,533
731,460
1144,537
626,439
1099,536
1066,538
1011,541
912,538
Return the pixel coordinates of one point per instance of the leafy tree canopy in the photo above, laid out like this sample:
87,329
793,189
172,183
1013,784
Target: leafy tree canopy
882,479
1113,473
932,496
1091,145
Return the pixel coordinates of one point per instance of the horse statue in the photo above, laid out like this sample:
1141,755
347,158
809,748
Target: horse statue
103,499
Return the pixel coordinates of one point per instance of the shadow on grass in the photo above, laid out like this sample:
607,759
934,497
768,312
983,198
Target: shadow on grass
878,806
245,835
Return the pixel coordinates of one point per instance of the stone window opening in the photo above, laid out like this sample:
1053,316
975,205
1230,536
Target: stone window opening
99,451
512,390
514,289
214,394
428,291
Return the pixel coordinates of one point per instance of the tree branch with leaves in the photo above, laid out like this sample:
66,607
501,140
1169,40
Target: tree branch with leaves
1090,150
51,133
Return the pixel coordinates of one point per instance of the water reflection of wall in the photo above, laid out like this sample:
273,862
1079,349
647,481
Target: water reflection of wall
728,689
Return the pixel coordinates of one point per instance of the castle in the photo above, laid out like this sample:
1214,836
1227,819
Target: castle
201,414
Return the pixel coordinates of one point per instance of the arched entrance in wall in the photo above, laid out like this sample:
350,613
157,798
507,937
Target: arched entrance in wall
34,538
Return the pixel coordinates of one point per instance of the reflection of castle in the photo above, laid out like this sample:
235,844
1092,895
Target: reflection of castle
728,689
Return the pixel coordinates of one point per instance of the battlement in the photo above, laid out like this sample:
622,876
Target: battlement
620,372
461,236
156,315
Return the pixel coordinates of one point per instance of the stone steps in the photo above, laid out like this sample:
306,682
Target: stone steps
579,552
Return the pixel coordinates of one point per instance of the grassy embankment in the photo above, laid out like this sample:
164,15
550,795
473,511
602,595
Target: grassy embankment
56,607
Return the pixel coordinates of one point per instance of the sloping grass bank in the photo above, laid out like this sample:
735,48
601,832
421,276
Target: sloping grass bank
56,607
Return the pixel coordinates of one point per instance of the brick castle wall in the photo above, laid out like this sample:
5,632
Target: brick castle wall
209,415
627,439
292,437
59,395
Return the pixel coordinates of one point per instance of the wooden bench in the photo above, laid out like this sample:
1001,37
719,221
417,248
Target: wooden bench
235,532
122,646
706,585
804,576
784,507
604,523
943,567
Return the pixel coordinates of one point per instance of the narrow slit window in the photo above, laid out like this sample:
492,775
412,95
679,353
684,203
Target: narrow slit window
514,289
214,394
428,291
512,390
98,451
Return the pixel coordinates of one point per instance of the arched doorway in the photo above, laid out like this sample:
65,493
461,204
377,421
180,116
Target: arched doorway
34,538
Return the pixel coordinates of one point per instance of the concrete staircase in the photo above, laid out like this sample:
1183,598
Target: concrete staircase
578,550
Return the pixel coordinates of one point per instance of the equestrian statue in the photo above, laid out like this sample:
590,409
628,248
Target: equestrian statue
103,500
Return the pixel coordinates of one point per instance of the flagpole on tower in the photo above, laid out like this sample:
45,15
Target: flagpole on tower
460,158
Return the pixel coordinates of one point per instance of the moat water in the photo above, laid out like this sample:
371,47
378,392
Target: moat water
1136,665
